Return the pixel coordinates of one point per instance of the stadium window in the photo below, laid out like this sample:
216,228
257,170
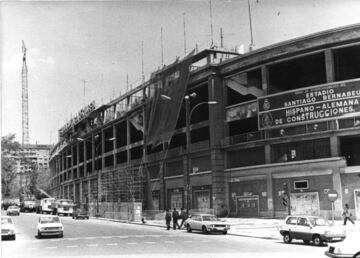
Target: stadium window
297,73
347,63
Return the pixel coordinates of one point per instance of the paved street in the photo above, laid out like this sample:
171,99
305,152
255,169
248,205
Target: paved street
98,238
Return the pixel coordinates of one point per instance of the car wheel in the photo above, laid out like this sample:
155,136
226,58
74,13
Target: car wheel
306,241
13,237
317,240
188,228
224,232
61,235
357,255
204,230
287,238
39,234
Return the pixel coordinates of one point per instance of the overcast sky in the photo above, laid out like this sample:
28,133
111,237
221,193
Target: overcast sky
100,42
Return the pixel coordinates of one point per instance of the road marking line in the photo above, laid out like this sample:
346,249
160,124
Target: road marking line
92,245
122,236
112,244
139,236
51,247
106,237
55,240
89,237
131,243
205,241
73,239
188,241
72,246
150,243
170,242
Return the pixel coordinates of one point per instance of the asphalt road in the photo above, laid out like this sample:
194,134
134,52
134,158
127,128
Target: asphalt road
98,238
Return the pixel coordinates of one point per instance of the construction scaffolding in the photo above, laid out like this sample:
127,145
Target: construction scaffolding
122,185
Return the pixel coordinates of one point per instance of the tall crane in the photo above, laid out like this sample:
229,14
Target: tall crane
25,99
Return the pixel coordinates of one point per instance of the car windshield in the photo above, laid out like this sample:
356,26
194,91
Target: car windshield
49,220
210,218
6,221
318,221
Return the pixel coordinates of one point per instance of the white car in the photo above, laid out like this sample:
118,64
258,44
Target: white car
7,228
349,248
310,228
13,210
49,225
206,223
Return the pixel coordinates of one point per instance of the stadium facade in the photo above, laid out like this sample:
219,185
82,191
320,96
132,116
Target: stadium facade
230,133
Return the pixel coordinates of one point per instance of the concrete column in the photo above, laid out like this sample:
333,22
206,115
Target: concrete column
270,197
162,201
264,78
334,146
267,154
337,186
216,127
329,65
114,144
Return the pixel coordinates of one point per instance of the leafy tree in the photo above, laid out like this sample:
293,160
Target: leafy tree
8,164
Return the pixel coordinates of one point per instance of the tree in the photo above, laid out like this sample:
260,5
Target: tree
8,164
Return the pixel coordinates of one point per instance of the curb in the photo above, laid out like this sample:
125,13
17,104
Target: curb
161,226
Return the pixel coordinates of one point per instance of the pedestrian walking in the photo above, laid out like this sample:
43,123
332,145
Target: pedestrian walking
183,217
347,215
175,217
168,219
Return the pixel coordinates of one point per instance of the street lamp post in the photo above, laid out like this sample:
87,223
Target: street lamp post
188,114
188,144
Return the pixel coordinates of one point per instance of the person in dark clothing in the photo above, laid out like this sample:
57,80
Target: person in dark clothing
168,219
175,217
183,217
347,215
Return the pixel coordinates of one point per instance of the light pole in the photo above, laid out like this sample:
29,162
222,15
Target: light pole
188,143
188,115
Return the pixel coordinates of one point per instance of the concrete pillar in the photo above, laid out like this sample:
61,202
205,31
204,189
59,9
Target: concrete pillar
334,146
264,78
216,127
267,154
270,197
329,65
337,186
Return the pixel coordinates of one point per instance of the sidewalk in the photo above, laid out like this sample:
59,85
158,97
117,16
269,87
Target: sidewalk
251,227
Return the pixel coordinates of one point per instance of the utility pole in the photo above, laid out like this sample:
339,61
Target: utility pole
162,47
25,99
252,45
184,33
211,25
142,62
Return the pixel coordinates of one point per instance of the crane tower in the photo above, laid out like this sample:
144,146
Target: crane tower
25,99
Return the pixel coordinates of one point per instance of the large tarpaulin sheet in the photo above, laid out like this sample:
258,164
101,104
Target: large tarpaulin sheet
165,111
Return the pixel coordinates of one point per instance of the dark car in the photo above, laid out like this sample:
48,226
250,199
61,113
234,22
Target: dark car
80,212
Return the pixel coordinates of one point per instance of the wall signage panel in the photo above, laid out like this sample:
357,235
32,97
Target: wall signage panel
311,104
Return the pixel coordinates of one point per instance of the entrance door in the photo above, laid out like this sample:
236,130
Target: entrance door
176,200
305,203
202,199
247,206
357,203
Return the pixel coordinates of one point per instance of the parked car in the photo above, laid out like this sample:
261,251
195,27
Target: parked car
7,228
80,213
206,223
349,248
310,228
13,210
49,225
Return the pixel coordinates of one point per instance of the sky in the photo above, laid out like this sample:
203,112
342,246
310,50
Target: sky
97,44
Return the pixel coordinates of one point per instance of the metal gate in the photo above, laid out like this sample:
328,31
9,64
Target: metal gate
247,206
